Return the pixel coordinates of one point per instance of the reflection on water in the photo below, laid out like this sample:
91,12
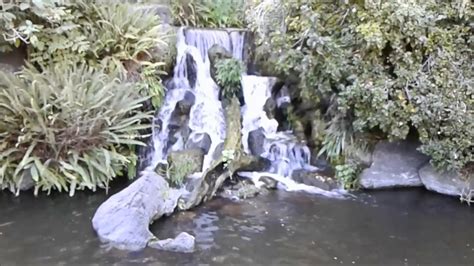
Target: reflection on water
405,227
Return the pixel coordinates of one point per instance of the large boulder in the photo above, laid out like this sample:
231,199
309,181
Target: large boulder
184,243
256,141
123,220
395,164
315,179
199,141
447,182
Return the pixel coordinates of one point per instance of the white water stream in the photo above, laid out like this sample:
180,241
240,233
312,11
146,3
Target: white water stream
206,116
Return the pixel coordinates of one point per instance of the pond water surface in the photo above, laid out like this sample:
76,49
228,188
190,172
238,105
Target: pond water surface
403,227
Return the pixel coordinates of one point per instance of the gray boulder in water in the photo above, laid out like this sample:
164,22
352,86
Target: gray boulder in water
256,141
184,243
448,182
395,164
123,220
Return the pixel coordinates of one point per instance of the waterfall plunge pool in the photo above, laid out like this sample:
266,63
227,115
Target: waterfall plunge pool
401,227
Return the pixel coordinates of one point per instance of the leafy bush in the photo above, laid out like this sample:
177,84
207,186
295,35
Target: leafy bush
347,175
208,13
379,67
116,35
67,128
228,76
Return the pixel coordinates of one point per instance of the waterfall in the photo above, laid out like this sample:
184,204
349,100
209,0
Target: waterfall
281,148
192,95
192,76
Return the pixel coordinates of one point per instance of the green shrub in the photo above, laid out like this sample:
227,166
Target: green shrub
104,33
228,76
67,128
347,175
208,13
381,67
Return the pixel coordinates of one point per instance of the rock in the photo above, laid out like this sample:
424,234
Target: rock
257,164
27,181
199,141
256,142
315,179
270,108
184,105
184,243
242,190
123,220
395,164
269,182
161,10
187,161
191,69
448,182
324,166
218,151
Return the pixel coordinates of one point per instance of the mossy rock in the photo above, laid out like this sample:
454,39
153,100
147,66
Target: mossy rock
183,163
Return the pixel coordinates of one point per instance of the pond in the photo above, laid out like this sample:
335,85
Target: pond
403,227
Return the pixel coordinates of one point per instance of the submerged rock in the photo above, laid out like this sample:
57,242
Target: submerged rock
123,220
256,141
395,164
448,182
315,179
242,190
184,243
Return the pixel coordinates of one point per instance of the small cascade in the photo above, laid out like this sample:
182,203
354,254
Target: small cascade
192,84
281,148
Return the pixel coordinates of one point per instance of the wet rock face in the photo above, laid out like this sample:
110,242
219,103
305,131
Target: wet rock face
315,179
270,108
256,141
184,106
183,243
395,164
447,183
191,160
199,141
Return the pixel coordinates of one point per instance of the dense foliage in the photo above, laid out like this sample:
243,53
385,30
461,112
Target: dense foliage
228,76
379,68
73,118
208,13
117,36
67,128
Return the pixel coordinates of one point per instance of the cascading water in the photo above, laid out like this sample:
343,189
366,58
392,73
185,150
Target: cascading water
192,85
206,114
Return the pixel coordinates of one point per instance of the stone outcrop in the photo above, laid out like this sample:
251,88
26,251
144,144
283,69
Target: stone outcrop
395,164
448,182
